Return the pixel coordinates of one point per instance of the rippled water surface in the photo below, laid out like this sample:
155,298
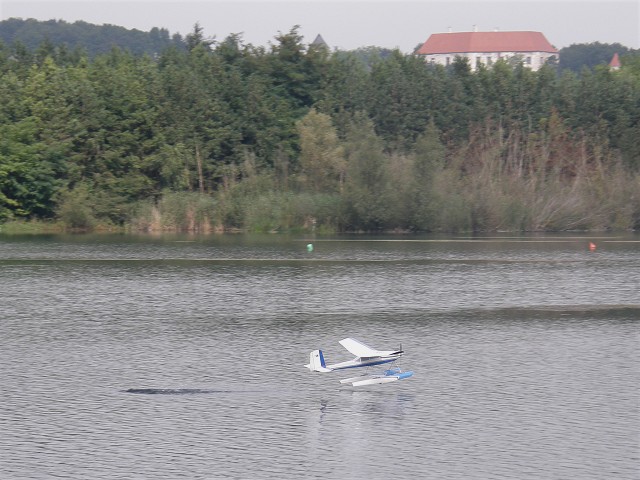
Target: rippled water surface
182,357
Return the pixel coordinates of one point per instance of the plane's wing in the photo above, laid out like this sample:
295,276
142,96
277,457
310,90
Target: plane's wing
358,348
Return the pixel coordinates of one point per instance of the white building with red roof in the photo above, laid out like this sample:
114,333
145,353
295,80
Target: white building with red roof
487,48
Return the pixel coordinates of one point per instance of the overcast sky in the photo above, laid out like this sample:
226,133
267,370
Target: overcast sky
349,24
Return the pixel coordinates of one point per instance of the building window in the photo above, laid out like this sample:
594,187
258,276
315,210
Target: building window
447,61
528,60
489,61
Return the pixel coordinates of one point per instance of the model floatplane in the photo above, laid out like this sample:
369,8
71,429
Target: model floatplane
365,357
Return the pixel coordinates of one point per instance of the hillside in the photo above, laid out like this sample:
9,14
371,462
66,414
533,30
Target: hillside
94,39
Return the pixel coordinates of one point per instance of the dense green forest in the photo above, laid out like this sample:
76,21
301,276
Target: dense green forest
222,135
82,38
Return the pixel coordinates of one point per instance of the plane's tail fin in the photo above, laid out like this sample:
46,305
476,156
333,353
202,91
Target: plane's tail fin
316,362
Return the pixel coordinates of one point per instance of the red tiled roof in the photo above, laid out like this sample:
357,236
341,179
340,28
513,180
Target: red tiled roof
468,42
615,61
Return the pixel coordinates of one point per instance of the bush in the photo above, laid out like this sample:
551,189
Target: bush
75,209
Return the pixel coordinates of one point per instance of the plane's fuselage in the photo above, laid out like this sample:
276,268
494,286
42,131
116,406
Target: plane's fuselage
366,361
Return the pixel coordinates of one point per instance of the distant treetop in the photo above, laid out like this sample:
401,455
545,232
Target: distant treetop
95,39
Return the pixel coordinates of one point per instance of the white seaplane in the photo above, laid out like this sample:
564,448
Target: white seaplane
365,357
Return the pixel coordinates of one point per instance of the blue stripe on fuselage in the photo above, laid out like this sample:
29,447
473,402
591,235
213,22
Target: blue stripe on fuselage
367,364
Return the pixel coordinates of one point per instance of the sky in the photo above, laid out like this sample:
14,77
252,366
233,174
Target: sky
349,24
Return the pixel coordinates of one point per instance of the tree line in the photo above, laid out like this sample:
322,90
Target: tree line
219,135
83,38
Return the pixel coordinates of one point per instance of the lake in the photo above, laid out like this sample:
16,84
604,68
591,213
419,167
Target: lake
126,357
